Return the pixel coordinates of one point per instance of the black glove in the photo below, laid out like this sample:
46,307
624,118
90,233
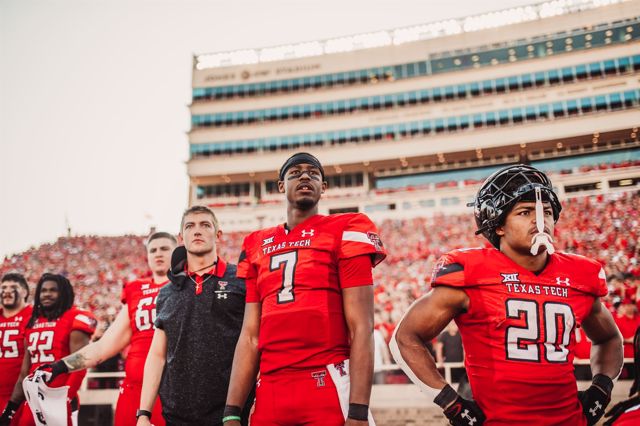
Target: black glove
595,399
55,369
8,413
459,411
618,409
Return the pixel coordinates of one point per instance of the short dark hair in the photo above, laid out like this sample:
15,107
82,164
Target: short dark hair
200,209
158,235
65,298
17,278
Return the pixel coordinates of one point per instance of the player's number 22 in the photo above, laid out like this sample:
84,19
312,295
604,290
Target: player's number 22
289,260
522,342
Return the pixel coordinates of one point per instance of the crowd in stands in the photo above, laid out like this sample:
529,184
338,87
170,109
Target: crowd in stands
606,228
96,266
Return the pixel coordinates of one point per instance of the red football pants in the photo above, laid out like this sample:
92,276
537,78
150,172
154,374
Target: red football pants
128,404
306,397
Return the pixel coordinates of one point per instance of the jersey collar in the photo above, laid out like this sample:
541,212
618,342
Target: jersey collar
306,222
547,267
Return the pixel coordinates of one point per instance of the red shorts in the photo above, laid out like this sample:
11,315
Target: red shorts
306,397
128,404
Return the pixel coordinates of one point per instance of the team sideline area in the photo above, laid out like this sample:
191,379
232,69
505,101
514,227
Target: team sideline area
603,226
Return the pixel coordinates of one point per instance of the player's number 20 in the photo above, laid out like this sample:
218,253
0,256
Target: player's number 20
522,342
289,260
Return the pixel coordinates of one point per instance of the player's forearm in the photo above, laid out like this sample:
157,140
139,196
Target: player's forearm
606,349
89,356
607,357
243,371
361,366
17,395
411,353
153,368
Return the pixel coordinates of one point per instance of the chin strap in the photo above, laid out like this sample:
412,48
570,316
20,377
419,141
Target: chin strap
541,238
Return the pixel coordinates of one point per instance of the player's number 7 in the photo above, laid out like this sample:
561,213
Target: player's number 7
289,259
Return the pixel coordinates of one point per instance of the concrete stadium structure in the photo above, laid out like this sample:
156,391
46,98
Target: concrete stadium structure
408,121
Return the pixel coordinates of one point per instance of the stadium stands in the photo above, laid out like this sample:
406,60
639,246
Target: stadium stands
604,227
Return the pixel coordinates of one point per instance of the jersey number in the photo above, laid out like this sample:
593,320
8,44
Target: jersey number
38,344
289,259
522,342
8,347
145,317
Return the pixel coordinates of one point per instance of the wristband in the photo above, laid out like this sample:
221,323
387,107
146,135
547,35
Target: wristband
446,396
358,412
10,409
142,412
59,367
603,382
12,405
229,418
232,410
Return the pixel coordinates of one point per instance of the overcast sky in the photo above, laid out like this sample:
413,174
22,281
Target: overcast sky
94,95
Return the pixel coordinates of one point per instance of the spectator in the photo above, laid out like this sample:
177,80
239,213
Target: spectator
628,322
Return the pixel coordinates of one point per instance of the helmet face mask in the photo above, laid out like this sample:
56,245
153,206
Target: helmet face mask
502,190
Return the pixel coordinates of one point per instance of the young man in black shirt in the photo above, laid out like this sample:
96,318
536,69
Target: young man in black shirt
199,316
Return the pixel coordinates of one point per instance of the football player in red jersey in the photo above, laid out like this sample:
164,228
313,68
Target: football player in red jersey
516,305
133,325
55,329
308,324
14,314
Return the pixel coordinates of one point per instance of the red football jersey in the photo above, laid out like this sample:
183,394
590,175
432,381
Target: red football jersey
140,298
12,348
631,417
48,341
518,333
295,275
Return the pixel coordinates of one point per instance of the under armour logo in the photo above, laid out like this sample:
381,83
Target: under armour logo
308,233
222,295
268,240
561,281
342,369
595,409
510,278
465,415
319,376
